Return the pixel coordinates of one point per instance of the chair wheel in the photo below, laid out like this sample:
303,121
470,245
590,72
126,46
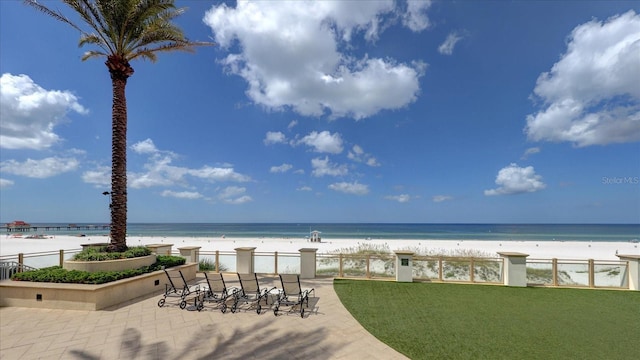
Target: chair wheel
183,304
302,313
200,306
161,302
223,308
275,312
258,308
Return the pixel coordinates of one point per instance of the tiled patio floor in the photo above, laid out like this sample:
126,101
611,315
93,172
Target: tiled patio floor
142,330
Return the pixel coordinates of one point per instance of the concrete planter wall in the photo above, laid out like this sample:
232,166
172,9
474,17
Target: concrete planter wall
110,265
86,297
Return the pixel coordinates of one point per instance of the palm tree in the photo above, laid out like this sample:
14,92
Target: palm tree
121,31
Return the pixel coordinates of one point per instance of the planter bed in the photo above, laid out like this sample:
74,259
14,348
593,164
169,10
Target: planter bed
110,265
86,297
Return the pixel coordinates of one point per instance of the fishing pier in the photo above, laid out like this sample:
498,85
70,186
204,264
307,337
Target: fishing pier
21,226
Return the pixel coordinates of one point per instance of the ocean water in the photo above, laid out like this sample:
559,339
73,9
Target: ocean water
387,231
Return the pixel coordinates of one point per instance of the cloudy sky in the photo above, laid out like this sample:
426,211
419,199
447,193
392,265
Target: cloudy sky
335,111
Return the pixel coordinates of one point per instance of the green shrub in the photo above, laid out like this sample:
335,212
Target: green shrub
57,274
364,249
137,251
169,261
100,254
207,264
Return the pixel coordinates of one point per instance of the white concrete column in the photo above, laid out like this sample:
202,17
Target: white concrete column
308,263
160,249
633,270
191,253
515,268
244,260
404,265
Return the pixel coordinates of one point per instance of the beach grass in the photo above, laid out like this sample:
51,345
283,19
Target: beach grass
460,321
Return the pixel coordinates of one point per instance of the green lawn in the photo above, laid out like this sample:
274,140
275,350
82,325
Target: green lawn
456,321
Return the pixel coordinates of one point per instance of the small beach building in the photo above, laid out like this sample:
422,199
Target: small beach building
18,225
315,236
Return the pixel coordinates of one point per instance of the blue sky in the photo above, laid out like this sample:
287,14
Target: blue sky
443,111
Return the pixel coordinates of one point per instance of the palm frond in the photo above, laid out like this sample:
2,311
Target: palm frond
97,22
127,29
93,39
149,53
54,14
93,54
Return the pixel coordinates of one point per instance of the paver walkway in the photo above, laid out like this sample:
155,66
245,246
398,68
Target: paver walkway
142,330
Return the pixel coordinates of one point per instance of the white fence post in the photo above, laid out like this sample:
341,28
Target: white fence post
245,260
308,263
633,270
515,268
191,253
404,265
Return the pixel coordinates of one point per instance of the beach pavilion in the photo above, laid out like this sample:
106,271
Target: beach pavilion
315,236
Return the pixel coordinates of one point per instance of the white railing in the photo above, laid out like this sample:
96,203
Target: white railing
539,272
578,273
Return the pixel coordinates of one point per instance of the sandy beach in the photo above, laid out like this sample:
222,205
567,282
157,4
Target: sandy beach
10,245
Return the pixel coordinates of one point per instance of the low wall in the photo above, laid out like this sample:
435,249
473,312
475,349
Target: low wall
86,297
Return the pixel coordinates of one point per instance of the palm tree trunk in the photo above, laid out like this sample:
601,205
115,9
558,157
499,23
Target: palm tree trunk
119,163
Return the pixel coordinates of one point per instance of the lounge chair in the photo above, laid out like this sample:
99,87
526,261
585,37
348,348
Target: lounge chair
215,291
177,287
250,293
292,294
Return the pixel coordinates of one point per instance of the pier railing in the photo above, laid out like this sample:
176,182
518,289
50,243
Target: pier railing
588,273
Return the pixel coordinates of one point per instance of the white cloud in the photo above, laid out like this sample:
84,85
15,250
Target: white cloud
322,167
530,151
240,200
100,177
356,151
446,48
357,154
323,142
291,54
441,198
29,113
149,179
5,183
145,147
516,180
182,194
304,188
40,169
234,195
274,137
591,94
218,174
292,124
416,17
159,171
354,188
373,162
402,198
281,169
